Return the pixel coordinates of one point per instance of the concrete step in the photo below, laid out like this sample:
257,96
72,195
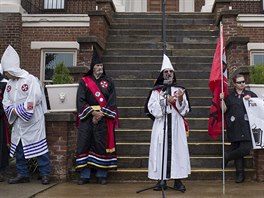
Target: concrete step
180,16
132,135
113,66
159,45
170,38
144,91
153,58
195,148
150,82
176,25
153,74
138,111
158,32
141,174
124,101
205,161
146,123
158,52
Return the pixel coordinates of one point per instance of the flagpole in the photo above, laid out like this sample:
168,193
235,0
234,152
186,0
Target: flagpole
222,104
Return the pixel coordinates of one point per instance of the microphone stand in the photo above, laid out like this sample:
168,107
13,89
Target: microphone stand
162,182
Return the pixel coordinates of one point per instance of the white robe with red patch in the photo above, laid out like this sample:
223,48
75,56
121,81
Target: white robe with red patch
26,96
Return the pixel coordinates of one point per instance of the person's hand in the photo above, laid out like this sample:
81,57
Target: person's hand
178,95
222,96
97,116
247,97
171,99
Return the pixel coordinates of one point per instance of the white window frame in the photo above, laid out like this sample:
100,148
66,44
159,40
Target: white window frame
43,55
255,48
54,46
252,53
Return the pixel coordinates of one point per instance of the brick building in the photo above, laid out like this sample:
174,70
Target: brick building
45,32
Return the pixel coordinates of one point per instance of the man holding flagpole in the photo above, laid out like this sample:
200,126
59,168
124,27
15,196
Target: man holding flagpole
237,122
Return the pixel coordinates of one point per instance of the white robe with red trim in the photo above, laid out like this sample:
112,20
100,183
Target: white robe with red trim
180,160
26,96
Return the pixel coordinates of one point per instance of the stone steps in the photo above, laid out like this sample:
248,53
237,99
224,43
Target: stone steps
133,57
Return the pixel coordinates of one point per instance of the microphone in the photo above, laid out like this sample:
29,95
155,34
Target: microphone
166,79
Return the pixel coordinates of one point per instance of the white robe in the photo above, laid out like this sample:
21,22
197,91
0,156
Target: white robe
180,160
26,96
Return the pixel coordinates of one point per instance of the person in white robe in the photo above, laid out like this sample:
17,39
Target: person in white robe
168,103
25,105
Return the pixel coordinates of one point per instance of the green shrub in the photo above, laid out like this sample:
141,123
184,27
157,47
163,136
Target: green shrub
61,75
256,74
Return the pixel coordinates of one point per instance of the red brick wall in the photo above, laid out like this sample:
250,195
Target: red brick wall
259,164
198,4
30,59
250,7
10,31
62,138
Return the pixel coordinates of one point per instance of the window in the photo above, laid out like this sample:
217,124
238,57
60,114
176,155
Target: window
51,58
54,4
257,57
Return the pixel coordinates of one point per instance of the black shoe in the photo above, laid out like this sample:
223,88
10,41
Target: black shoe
45,180
102,180
179,186
240,177
83,181
159,185
18,179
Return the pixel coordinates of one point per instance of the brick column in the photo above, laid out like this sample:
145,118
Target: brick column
259,164
61,137
237,53
10,25
219,6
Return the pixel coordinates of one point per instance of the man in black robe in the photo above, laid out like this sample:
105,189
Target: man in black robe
96,108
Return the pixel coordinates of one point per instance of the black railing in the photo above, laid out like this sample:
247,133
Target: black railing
58,6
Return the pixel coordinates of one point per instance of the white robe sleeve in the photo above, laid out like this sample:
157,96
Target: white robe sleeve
25,110
154,104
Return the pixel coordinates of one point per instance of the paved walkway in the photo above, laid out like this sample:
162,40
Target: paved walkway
195,189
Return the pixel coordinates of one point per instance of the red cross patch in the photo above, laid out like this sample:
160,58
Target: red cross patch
8,88
24,87
30,105
104,84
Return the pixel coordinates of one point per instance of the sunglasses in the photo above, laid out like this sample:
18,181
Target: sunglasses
240,82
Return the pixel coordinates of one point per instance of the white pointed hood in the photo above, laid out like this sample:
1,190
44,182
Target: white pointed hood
11,63
166,64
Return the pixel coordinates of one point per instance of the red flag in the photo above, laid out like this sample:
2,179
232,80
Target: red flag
217,83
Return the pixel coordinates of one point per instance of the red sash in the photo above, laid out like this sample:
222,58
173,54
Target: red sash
110,123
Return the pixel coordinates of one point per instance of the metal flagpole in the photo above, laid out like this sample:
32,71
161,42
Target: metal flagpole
222,104
164,25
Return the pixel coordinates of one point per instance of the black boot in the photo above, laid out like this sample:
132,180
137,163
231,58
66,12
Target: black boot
18,179
240,173
159,185
179,186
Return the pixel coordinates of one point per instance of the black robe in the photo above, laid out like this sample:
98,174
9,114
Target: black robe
91,141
